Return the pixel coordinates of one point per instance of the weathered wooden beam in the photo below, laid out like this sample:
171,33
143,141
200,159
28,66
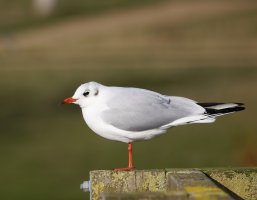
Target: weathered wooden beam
183,184
110,181
241,181
146,196
195,183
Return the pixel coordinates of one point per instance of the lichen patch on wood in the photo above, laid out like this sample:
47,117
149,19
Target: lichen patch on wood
123,181
242,181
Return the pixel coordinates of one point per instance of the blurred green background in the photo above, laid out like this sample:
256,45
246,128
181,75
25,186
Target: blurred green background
204,50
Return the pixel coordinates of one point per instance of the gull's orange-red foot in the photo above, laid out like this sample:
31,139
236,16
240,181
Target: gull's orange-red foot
130,160
124,169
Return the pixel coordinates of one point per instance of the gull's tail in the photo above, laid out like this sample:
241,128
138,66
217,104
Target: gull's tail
218,109
212,110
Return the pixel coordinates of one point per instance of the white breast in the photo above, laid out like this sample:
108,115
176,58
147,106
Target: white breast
92,116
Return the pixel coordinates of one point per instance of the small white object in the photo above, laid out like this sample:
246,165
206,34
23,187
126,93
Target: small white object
44,7
86,186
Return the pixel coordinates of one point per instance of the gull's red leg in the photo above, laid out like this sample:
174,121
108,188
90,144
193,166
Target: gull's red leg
130,159
130,156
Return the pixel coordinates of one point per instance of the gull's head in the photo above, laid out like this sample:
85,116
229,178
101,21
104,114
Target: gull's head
85,94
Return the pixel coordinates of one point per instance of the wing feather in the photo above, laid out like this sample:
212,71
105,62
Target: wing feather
133,109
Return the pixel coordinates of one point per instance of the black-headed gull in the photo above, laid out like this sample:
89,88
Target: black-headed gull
133,114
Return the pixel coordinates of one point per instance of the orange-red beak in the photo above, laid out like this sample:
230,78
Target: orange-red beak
69,100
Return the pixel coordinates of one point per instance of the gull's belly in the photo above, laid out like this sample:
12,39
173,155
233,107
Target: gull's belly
95,123
93,119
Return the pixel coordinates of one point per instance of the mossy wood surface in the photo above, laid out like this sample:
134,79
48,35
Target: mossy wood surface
183,184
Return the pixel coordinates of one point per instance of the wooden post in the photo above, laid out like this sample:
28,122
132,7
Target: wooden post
183,184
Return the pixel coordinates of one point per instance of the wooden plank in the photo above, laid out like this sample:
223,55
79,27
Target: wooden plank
183,184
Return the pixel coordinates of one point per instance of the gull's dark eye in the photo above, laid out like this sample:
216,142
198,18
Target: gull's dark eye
86,94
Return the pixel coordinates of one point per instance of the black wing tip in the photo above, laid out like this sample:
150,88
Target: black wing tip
209,104
210,108
240,104
224,111
239,108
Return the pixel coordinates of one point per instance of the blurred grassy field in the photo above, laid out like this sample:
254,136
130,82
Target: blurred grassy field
202,50
17,15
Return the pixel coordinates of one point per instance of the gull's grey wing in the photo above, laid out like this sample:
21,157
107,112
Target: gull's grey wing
133,109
